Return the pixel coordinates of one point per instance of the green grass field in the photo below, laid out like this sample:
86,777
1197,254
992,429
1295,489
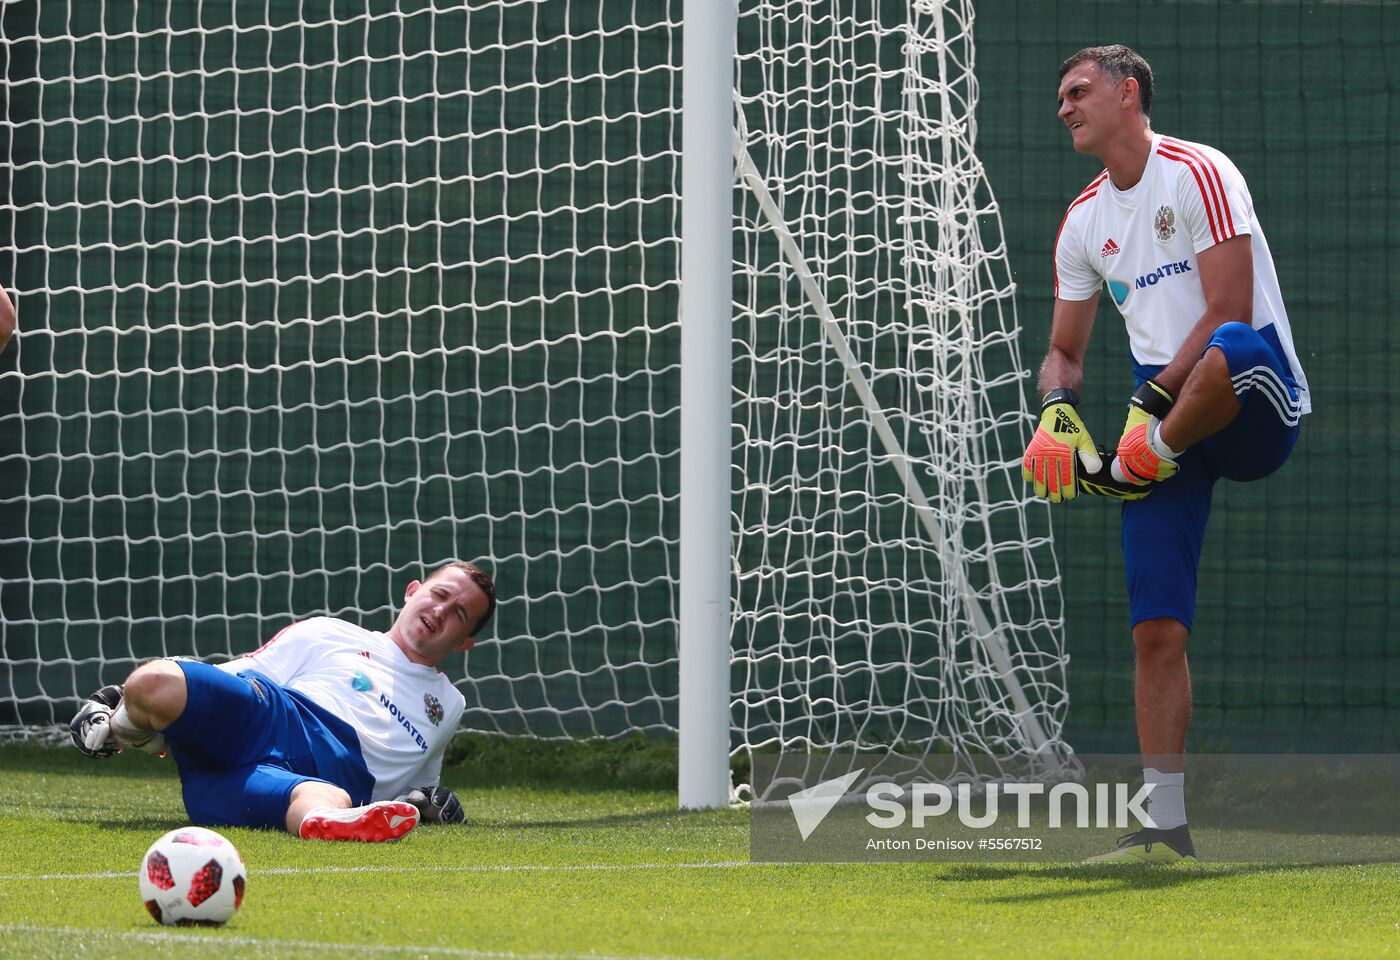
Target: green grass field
584,871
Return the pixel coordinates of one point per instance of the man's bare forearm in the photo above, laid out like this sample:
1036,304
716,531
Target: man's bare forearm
1061,371
1227,280
1174,374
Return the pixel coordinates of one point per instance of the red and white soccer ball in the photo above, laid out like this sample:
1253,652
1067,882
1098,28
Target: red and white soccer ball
192,877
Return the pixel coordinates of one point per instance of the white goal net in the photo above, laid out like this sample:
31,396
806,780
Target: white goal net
314,296
894,584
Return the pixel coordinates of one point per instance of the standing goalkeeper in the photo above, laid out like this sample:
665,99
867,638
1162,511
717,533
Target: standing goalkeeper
330,730
1170,228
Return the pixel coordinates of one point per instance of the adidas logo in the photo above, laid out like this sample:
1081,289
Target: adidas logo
1063,424
1109,249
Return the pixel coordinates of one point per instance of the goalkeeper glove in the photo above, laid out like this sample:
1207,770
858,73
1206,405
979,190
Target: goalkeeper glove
1103,484
91,728
1060,445
435,804
1140,460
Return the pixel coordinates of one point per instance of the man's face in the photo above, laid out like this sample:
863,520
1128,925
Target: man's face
1093,107
437,616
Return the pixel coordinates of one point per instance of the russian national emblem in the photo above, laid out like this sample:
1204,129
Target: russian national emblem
1164,223
432,708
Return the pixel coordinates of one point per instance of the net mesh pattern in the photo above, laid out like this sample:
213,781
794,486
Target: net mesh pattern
856,620
316,296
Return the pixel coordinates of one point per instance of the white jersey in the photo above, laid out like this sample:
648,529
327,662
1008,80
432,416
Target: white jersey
404,712
1142,243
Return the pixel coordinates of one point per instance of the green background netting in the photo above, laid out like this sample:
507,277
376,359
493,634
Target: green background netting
1296,642
326,291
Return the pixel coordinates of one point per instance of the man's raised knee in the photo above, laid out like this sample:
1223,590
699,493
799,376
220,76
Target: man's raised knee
154,695
1239,346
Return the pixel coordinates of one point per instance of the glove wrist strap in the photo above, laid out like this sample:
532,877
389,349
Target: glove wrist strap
1061,395
1154,399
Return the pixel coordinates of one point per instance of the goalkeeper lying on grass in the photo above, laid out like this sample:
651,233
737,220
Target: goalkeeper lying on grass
328,729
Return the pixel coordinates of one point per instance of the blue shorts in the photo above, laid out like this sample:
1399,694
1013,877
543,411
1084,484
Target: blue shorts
1163,533
243,743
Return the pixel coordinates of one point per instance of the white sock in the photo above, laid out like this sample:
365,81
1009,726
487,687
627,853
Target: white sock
1158,445
1166,805
128,734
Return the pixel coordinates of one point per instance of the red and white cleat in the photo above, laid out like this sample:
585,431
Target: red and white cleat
372,823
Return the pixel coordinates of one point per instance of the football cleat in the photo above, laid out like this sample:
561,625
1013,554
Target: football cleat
1150,845
372,823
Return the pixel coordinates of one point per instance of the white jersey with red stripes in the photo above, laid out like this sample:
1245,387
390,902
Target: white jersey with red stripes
403,712
1142,244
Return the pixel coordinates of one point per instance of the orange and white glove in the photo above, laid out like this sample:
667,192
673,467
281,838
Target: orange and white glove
1140,460
1061,445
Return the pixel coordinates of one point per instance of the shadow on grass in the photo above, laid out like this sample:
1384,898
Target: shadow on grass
633,763
1073,881
141,823
64,759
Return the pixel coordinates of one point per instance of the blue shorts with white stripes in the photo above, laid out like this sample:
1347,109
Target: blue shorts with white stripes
1162,534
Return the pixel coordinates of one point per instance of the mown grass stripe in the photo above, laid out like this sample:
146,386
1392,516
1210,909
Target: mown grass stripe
445,868
211,940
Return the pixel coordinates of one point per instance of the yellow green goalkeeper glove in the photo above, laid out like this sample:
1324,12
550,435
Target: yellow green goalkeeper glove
1140,460
1060,446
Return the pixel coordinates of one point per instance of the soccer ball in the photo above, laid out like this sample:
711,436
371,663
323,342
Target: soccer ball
192,876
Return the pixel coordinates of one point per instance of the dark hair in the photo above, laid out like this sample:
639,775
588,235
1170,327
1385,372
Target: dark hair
1118,63
479,577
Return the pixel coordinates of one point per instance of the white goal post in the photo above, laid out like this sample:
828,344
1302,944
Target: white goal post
693,322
